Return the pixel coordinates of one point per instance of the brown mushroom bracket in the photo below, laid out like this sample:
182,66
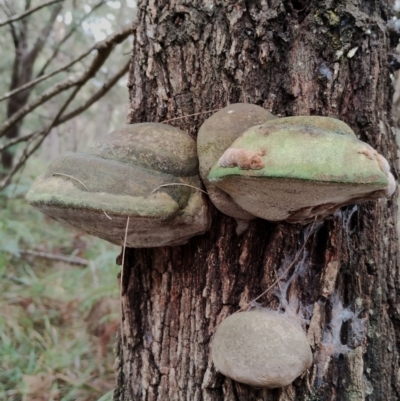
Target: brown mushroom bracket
300,169
119,176
297,169
215,136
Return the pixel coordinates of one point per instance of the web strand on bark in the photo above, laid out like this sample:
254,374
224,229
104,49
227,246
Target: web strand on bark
279,278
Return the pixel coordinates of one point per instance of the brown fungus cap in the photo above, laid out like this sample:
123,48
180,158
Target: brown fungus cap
260,348
97,190
301,168
215,136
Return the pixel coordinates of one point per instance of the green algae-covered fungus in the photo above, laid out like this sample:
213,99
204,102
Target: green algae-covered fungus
300,168
215,136
117,176
260,348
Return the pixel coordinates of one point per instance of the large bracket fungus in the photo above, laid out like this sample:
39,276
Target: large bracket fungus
260,348
215,136
299,169
296,169
97,190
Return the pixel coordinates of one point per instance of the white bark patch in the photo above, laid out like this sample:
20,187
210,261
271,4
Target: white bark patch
352,52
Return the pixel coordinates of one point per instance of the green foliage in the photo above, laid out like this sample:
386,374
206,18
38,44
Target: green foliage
51,339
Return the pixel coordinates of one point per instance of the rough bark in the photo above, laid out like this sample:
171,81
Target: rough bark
291,57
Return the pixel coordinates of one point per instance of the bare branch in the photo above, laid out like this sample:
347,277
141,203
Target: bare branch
8,11
56,121
44,77
73,260
67,36
100,93
43,35
104,48
14,36
27,153
188,115
7,8
27,12
19,139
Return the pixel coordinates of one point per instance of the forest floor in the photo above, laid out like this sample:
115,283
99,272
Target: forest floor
58,320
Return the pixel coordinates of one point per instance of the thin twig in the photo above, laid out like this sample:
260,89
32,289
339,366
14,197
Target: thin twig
26,154
72,177
101,92
104,49
68,35
172,184
124,247
122,281
19,139
44,77
43,35
189,115
106,214
73,260
28,12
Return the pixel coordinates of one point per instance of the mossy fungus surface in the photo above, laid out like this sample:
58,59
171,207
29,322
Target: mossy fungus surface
305,171
215,136
97,190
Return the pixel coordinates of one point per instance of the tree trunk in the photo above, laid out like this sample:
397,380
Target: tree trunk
296,57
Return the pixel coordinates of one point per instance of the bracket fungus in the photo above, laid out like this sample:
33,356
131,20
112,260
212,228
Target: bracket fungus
299,169
261,349
215,137
97,190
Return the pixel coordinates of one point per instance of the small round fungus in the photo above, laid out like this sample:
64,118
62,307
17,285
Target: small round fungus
260,348
300,168
122,175
215,136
